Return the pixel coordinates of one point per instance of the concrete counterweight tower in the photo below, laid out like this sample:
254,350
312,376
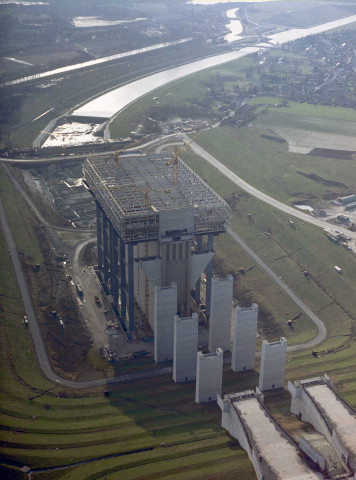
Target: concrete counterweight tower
273,363
220,313
209,376
152,217
244,338
164,312
185,348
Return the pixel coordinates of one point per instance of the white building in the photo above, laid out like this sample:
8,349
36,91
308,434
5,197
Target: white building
220,313
273,363
244,338
209,376
165,308
185,348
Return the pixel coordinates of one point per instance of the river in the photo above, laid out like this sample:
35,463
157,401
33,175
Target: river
235,26
109,104
112,102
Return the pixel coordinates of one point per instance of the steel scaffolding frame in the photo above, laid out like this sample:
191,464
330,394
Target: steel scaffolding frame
134,189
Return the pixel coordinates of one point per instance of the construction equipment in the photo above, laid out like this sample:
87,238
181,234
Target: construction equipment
116,154
177,150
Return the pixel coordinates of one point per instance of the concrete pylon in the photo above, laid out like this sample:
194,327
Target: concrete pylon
209,376
165,309
220,313
244,338
273,363
185,348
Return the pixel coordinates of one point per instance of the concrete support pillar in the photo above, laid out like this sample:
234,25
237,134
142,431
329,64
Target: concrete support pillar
273,363
197,285
114,274
209,376
165,309
209,276
185,348
176,268
123,284
99,236
106,249
131,291
244,338
220,314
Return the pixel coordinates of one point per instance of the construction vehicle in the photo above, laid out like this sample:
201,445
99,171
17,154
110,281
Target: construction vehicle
79,289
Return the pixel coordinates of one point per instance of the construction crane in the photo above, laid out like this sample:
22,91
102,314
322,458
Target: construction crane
177,150
116,154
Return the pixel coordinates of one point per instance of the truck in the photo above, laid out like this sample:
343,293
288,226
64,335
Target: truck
79,289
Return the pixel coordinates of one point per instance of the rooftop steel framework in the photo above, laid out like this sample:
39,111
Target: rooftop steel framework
133,191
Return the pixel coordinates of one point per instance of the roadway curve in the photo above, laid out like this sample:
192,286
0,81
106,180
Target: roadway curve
238,181
322,332
36,334
30,312
39,345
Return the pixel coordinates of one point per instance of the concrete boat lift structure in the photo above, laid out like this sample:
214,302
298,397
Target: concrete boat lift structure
156,222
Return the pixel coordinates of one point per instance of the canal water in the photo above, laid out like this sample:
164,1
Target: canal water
111,103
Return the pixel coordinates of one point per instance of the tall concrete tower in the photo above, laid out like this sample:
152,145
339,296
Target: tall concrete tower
164,313
220,314
244,338
273,363
185,348
152,218
209,376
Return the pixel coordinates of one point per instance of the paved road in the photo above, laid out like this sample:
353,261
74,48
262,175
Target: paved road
257,193
320,337
35,331
322,332
40,348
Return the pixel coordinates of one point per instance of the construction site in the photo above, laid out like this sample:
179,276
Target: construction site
156,223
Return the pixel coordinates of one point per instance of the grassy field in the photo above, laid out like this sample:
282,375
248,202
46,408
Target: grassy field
324,112
288,251
43,425
291,177
121,433
183,97
46,426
